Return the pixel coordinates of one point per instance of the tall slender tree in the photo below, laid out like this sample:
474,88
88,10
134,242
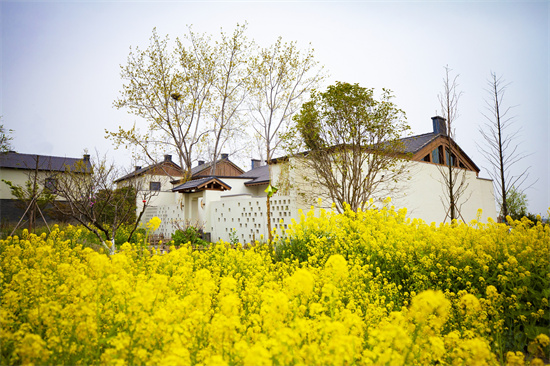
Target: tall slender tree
229,91
500,148
454,177
282,76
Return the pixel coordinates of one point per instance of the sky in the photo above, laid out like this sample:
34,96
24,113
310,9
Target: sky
60,63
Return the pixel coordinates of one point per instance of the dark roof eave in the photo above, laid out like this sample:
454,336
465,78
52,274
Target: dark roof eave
250,184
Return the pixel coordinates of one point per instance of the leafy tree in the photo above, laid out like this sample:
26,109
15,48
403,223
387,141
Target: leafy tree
125,198
353,144
516,203
500,148
5,139
282,76
229,92
188,95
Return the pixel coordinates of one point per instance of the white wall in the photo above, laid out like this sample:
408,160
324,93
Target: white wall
246,214
422,192
243,209
19,177
425,195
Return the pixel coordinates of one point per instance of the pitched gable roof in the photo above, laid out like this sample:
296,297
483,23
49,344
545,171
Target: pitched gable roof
210,183
259,175
155,168
15,160
413,144
202,168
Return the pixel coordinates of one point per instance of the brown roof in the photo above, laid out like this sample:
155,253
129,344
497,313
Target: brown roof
201,184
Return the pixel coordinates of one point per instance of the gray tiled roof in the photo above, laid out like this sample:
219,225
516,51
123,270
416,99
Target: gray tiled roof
15,160
258,175
414,144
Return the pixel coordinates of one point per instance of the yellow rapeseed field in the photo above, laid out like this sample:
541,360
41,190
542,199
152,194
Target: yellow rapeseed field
364,288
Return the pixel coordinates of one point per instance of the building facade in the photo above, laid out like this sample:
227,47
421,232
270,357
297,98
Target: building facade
228,206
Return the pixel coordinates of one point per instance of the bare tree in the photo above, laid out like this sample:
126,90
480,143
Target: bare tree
453,176
354,151
35,195
281,77
501,149
90,197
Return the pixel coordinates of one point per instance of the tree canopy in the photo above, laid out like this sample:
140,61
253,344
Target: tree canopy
353,144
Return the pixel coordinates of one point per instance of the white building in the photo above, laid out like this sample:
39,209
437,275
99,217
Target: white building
231,200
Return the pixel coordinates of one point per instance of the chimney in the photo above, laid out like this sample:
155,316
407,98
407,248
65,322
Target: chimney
225,156
86,158
201,162
137,168
167,157
256,163
439,124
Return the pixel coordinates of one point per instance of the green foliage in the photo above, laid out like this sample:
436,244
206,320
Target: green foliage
27,193
125,199
188,235
234,237
516,201
353,143
5,139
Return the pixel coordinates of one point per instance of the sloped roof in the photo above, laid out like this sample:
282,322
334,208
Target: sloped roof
202,167
202,184
414,144
140,171
15,160
259,175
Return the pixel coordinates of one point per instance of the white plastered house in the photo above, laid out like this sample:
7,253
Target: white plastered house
19,168
224,202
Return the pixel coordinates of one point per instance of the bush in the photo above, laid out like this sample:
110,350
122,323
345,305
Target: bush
189,235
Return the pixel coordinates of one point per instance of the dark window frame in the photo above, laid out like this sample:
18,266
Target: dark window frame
154,186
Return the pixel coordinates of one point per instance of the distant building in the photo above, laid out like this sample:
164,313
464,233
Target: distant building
20,168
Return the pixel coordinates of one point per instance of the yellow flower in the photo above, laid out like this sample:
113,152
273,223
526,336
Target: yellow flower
154,223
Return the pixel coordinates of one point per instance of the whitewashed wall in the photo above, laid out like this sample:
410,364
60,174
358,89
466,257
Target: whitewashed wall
426,192
246,214
243,209
422,192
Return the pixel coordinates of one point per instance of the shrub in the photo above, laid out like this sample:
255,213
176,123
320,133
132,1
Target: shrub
189,235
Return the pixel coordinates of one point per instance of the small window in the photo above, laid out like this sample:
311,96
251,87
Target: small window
154,186
437,155
450,158
427,158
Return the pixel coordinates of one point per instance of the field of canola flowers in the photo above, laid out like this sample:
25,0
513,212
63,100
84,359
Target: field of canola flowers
364,288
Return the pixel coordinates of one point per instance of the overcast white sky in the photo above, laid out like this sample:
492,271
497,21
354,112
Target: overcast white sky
60,62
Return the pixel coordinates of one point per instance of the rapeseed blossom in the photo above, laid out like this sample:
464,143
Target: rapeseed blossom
368,287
